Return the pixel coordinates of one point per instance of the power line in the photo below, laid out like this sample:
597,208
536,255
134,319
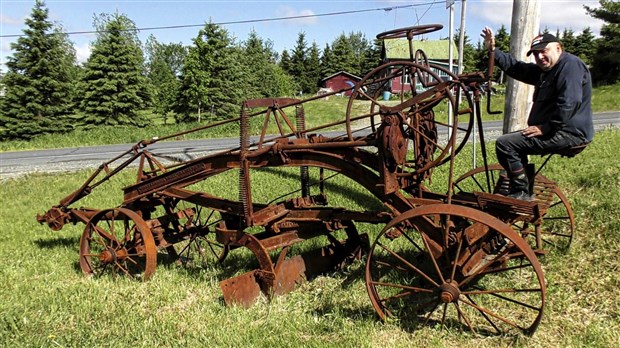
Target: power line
386,9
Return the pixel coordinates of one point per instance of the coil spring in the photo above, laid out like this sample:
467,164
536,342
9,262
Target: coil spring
300,120
244,144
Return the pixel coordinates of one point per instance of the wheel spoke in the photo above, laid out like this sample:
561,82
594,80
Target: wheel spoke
391,266
503,269
406,263
496,294
456,258
405,287
430,313
494,315
462,315
484,315
430,252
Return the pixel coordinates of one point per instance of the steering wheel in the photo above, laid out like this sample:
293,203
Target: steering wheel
409,32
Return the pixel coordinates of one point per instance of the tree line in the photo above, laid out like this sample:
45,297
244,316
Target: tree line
45,90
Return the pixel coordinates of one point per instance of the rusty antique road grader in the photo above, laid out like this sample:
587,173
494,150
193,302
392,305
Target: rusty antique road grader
465,257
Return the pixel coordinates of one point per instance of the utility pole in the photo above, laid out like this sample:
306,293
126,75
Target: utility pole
524,26
462,36
450,7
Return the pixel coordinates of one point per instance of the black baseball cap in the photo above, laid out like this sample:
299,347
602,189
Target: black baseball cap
541,41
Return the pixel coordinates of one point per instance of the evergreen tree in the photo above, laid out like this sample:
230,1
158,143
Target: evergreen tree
366,54
469,53
480,57
192,93
502,39
39,82
313,68
585,46
163,69
285,61
299,59
212,80
257,60
372,57
327,59
606,62
226,85
113,83
569,43
359,45
343,55
265,79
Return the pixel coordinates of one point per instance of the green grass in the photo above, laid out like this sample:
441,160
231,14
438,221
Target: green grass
45,300
318,112
605,98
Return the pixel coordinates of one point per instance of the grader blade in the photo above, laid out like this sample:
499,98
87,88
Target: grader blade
246,288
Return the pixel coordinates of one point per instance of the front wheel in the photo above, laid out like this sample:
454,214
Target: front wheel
118,241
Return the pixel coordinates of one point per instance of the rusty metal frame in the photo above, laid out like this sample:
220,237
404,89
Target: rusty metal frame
392,163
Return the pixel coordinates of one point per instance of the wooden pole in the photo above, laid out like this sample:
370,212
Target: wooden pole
462,36
525,23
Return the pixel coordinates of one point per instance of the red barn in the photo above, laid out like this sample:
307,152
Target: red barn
341,80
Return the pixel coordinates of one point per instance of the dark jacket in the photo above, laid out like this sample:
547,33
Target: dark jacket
562,95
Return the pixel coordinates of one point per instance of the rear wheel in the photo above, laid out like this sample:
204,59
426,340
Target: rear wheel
558,224
455,266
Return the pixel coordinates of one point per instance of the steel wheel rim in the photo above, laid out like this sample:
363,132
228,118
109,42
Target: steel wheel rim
558,224
134,254
471,302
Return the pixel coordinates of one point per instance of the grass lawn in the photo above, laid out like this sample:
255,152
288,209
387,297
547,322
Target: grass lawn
46,301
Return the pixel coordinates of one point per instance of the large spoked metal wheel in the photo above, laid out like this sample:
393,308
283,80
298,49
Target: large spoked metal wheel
455,266
425,138
118,241
557,227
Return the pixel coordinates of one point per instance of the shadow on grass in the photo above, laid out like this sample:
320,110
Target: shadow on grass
61,242
363,198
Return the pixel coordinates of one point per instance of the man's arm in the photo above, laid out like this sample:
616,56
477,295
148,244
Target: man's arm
525,72
569,85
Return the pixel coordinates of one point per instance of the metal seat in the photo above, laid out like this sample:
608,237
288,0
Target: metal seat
568,152
572,151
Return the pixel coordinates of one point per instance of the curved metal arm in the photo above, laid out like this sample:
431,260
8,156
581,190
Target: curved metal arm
490,69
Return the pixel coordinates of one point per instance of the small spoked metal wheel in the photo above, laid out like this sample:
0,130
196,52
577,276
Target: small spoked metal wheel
118,241
557,227
196,225
456,267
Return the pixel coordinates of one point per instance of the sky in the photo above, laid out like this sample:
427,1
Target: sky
322,22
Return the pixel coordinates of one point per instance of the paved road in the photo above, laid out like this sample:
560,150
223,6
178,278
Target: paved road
68,159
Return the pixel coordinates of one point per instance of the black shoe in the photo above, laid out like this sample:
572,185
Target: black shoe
522,195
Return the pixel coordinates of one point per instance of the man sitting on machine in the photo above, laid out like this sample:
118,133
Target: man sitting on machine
561,114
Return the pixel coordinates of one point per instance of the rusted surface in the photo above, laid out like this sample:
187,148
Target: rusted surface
460,237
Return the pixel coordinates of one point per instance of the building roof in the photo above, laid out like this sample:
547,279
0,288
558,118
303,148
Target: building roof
434,49
342,73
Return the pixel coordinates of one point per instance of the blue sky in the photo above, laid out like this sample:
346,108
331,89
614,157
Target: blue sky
77,15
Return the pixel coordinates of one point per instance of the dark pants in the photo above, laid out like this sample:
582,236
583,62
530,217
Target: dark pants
512,148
